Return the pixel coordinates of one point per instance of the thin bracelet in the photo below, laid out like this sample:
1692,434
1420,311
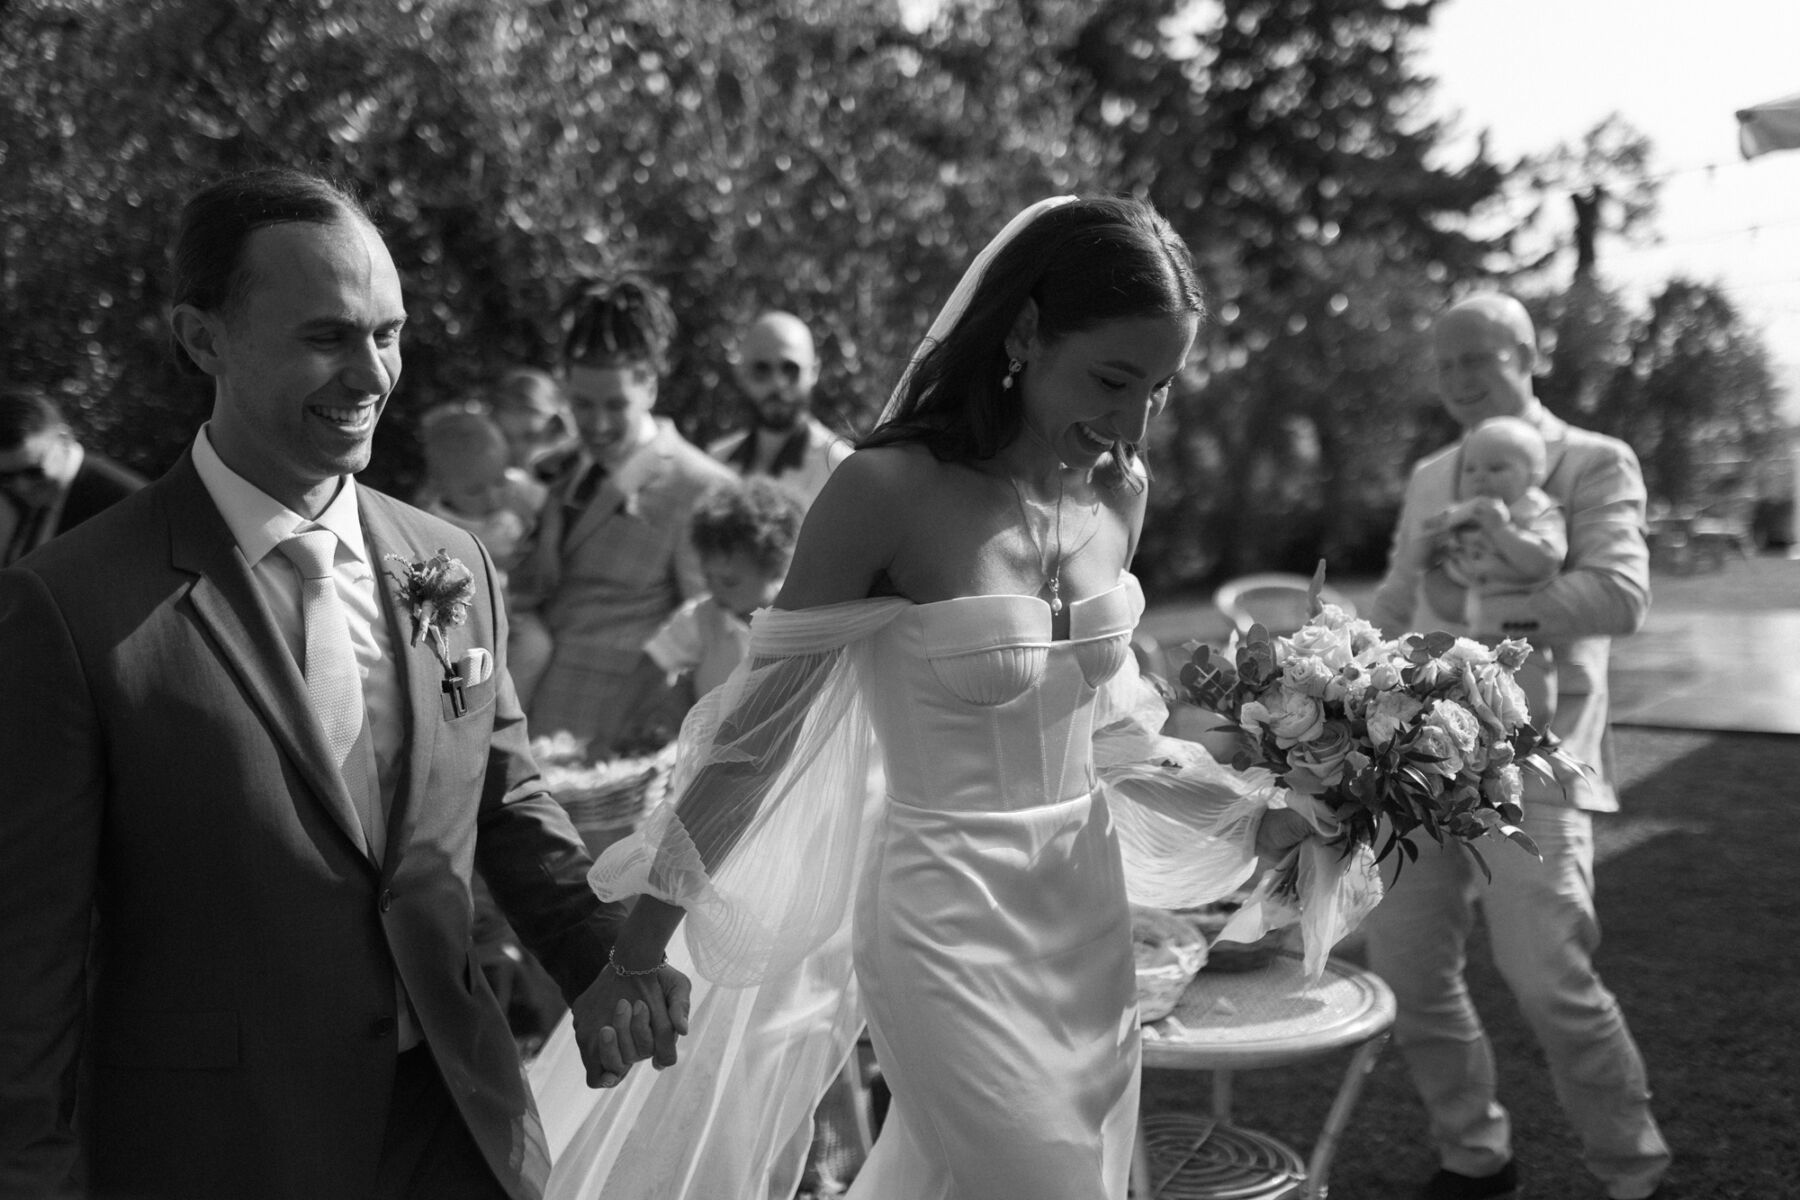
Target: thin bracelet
622,972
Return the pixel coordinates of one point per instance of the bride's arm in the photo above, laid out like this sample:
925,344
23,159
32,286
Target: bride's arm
845,545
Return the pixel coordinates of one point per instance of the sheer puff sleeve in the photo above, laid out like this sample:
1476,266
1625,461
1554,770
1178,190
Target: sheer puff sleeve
762,835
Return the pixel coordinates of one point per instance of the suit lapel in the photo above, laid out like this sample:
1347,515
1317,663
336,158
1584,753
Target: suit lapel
608,501
226,600
421,675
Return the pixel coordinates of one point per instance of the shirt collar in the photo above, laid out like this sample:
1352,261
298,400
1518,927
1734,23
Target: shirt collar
259,522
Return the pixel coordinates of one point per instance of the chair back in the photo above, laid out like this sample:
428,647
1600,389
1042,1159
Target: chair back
1275,600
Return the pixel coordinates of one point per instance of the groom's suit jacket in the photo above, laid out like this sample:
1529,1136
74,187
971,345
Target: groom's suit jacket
1602,592
187,921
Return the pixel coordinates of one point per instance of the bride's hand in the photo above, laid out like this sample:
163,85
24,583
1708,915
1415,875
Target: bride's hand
1280,831
623,1019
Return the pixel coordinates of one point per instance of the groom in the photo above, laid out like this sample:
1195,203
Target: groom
243,787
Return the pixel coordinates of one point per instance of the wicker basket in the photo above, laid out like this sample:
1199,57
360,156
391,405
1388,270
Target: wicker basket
608,799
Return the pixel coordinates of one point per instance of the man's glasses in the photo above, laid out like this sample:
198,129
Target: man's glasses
790,370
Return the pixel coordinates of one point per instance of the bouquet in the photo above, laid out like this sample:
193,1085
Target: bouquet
1425,732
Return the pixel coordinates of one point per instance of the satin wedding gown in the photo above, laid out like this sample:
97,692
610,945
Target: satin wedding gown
991,936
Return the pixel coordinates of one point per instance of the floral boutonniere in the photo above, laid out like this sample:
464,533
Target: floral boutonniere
437,593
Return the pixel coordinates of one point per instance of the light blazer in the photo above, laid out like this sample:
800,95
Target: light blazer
612,572
164,784
1603,591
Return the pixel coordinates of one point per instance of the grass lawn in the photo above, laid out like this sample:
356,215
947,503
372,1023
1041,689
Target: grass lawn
1699,895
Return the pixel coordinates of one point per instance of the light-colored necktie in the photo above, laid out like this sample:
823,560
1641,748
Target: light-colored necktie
332,681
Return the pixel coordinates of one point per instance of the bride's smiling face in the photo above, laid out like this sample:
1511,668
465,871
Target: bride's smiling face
1090,389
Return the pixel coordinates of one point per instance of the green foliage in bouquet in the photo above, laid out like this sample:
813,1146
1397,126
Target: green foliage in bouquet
1427,731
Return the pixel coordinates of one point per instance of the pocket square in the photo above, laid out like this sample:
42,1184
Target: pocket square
475,666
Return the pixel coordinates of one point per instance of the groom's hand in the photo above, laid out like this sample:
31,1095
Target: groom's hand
621,1020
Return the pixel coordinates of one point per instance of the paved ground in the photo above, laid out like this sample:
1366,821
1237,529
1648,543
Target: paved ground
1720,651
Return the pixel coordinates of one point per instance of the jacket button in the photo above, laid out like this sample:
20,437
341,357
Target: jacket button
381,1027
386,901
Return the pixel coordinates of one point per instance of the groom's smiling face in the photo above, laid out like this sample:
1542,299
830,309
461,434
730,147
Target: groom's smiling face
305,360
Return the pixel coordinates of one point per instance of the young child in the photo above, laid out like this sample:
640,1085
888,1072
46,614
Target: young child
531,411
745,534
1506,537
469,482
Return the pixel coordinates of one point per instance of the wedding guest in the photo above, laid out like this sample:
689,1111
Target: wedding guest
535,417
244,796
49,482
776,367
959,603
1540,916
744,534
469,483
612,558
1505,537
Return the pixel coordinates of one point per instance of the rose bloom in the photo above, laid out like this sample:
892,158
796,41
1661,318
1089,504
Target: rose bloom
1384,676
1334,647
1290,716
1502,694
1308,676
1321,762
1452,733
1389,715
1503,785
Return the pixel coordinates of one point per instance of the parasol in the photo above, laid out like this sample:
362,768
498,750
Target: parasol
1763,128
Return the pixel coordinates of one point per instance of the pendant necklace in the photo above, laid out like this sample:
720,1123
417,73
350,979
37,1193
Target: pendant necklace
1050,568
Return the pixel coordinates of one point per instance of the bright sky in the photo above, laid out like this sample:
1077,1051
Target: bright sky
1538,72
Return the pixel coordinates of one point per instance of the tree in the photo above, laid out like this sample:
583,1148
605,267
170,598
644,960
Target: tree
1697,398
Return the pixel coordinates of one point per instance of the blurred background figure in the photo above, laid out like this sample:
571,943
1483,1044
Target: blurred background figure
469,482
612,558
776,367
534,416
49,482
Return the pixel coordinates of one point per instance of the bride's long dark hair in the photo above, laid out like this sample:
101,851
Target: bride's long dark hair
1084,263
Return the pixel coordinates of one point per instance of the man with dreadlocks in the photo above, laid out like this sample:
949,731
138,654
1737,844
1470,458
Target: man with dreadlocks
613,559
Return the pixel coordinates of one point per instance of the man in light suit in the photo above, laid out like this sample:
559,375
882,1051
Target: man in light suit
612,558
235,922
1540,916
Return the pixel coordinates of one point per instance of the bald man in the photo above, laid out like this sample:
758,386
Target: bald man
776,368
1540,915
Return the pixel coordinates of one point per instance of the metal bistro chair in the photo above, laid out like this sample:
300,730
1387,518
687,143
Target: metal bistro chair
1274,599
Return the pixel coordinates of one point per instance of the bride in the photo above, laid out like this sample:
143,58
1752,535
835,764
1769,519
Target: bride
958,617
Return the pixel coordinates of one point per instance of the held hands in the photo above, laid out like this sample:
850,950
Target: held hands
623,1019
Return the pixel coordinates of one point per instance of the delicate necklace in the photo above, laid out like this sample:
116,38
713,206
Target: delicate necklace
1050,568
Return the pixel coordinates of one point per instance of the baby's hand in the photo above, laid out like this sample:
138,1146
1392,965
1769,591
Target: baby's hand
1488,512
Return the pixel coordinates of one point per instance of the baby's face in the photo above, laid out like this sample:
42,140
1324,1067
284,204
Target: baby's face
740,583
1492,469
473,485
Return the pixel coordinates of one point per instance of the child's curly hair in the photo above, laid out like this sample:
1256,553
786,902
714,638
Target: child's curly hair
757,516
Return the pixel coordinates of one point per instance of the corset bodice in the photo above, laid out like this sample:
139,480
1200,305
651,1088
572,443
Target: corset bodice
977,708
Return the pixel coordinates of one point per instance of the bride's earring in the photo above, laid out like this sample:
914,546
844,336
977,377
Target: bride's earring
1013,367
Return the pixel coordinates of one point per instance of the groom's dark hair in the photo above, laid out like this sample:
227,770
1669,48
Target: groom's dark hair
1085,263
217,221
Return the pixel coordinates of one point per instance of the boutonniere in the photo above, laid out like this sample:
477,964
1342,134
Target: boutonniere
437,592
629,505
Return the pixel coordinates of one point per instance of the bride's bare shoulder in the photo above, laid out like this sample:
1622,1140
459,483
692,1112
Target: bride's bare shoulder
857,524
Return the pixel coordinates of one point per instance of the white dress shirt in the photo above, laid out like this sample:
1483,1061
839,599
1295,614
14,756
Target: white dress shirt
258,524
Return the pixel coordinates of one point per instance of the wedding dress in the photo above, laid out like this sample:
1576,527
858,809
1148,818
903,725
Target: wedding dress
1027,796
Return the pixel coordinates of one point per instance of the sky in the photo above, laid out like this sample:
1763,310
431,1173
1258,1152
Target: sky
1534,73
